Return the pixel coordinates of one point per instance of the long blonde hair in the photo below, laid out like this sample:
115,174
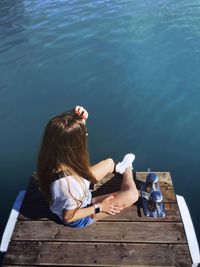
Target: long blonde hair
64,143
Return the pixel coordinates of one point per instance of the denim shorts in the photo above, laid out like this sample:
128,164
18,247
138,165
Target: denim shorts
81,223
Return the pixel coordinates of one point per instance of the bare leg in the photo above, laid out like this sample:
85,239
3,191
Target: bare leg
101,169
127,195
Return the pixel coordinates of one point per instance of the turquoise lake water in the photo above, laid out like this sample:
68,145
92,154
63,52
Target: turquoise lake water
135,65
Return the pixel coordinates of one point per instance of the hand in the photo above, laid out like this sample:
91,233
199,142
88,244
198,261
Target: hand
108,205
82,112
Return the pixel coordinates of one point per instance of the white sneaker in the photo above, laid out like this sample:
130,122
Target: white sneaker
125,163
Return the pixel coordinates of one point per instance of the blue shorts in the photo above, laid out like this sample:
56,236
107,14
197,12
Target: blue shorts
81,223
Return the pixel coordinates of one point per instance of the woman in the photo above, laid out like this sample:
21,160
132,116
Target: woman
65,173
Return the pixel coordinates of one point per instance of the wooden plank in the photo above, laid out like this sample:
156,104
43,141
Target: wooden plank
97,254
58,265
143,232
164,178
112,184
36,196
40,211
167,191
134,214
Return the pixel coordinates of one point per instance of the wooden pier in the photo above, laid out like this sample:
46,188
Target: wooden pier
127,239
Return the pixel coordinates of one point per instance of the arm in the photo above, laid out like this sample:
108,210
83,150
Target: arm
78,214
108,205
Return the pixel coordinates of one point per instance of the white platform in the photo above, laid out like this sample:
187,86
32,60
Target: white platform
189,230
11,222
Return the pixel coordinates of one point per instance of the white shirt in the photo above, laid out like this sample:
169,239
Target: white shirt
64,190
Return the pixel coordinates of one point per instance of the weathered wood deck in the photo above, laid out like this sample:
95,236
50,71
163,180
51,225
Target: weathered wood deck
127,239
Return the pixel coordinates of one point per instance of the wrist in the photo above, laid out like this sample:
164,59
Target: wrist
97,208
